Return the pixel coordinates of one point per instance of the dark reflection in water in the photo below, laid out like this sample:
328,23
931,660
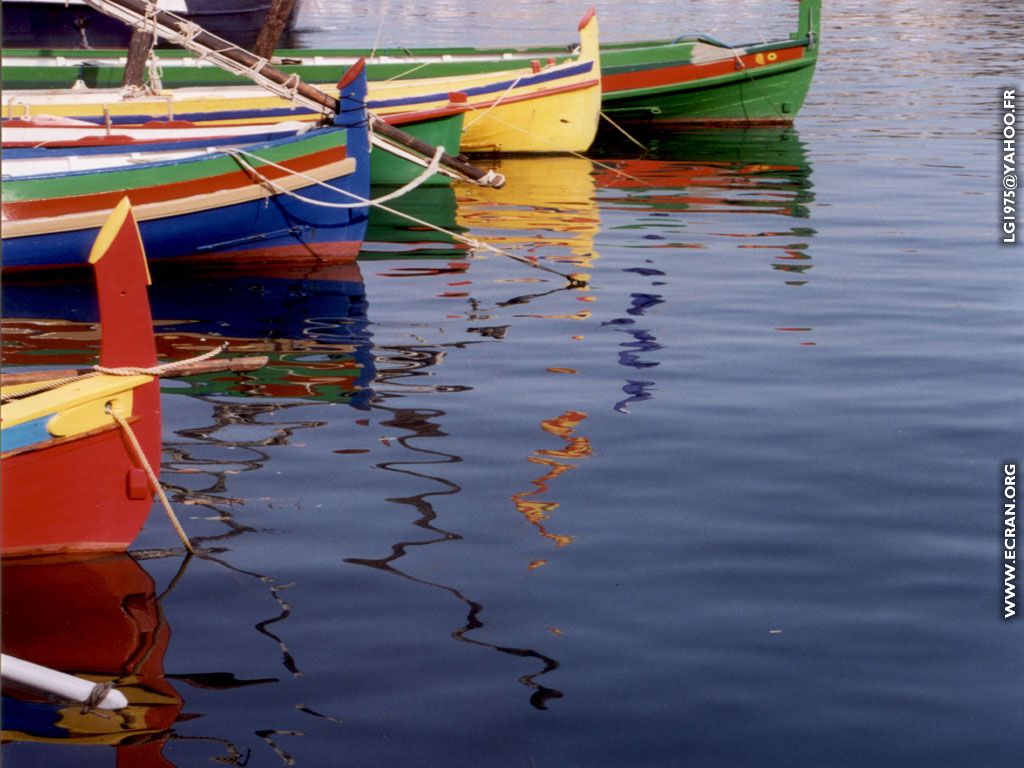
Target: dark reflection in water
422,425
411,228
729,565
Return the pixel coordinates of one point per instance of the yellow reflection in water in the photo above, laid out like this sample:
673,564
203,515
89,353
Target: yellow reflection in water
576,447
546,209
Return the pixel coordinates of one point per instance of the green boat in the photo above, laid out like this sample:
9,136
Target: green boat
687,79
439,128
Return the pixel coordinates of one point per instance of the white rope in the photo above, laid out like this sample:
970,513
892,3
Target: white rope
378,202
429,171
622,131
160,370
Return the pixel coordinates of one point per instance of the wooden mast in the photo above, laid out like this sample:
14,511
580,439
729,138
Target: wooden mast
270,32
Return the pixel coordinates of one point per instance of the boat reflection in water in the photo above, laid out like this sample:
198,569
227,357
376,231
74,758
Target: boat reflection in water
98,618
309,321
537,510
546,209
414,226
728,171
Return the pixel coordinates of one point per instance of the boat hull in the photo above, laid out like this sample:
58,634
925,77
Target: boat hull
102,497
210,209
760,92
533,109
695,79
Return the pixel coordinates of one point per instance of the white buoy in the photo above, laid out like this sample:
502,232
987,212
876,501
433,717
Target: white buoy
36,677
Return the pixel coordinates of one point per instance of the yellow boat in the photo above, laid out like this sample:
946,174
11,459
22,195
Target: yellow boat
550,108
542,109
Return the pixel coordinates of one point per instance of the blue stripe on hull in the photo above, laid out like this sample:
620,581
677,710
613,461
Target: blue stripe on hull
244,230
504,85
295,112
258,225
26,434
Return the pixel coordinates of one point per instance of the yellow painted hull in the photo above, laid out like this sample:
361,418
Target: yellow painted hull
547,109
539,110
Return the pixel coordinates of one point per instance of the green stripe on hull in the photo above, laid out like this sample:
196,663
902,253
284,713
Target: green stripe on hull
58,185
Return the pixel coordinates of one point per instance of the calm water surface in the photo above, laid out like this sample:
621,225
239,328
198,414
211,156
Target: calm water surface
735,504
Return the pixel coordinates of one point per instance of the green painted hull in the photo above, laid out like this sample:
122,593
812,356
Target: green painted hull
445,131
695,79
769,95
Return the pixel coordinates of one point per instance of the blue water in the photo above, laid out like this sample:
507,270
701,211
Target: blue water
735,504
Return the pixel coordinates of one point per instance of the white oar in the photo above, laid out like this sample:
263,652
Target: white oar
25,674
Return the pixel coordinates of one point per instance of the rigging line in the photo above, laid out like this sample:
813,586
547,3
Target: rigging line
400,75
376,39
154,481
623,131
746,71
472,242
493,104
580,155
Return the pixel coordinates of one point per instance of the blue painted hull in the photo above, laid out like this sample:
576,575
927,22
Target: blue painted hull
275,227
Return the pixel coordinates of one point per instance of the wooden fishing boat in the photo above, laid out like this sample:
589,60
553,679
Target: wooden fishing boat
684,79
534,109
73,24
71,480
47,137
97,618
273,201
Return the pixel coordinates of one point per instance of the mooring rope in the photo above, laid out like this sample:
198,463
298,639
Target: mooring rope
236,153
378,202
154,481
493,104
751,78
622,130
98,370
539,137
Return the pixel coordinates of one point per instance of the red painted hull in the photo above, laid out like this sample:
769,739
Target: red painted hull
87,494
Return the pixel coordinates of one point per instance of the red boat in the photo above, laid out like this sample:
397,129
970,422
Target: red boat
72,480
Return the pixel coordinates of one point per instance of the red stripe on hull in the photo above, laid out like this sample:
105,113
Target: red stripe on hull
685,73
73,496
16,210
